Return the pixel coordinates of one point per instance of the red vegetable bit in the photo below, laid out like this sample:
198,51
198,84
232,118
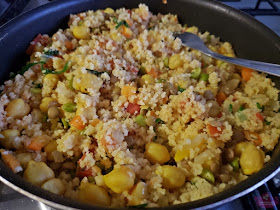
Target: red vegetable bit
83,172
133,108
133,69
214,131
32,45
260,117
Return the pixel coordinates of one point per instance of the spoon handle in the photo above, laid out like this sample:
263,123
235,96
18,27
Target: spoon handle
269,68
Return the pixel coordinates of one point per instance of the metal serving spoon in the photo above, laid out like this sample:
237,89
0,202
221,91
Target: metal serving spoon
193,41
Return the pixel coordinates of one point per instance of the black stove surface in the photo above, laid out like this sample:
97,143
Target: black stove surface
265,197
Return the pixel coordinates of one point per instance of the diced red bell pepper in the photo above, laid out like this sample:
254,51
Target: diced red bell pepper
133,108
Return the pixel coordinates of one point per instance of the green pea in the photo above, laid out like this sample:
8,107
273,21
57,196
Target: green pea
204,77
241,116
235,164
166,62
142,70
208,175
140,120
35,90
195,73
64,123
69,107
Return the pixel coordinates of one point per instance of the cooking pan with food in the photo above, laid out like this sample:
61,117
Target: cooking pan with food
249,39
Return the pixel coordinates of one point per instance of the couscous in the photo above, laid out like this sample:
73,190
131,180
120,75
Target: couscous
114,111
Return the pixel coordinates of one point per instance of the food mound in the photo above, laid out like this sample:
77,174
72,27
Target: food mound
115,111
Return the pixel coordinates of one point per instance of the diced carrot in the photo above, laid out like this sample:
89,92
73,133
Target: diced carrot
128,90
106,143
259,116
221,97
83,172
153,72
83,157
95,122
77,122
11,161
127,32
133,108
246,73
254,137
38,142
153,113
214,131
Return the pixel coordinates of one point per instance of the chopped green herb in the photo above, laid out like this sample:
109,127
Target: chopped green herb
195,73
260,107
115,20
97,73
37,85
181,89
51,52
203,77
48,71
267,122
141,206
35,90
241,108
29,65
235,164
230,108
159,121
64,123
123,22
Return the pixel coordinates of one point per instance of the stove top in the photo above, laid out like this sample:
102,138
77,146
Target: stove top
265,197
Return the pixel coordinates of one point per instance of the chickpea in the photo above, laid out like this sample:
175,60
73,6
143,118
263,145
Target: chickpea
120,179
81,32
251,159
17,108
109,10
93,194
8,137
83,82
53,112
146,79
49,149
156,153
55,186
173,177
44,106
138,193
175,61
37,173
170,89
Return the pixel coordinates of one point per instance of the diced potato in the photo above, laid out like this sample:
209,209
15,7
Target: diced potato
93,194
37,173
109,10
251,159
175,61
120,179
138,193
173,177
49,149
44,106
24,158
84,82
17,108
156,153
81,32
38,142
7,138
55,186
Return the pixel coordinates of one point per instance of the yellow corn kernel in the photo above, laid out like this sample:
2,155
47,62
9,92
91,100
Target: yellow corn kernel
147,79
37,173
17,108
51,79
44,106
7,138
84,82
128,90
156,153
120,179
93,194
49,149
251,159
81,32
138,193
172,176
55,186
109,10
115,36
175,61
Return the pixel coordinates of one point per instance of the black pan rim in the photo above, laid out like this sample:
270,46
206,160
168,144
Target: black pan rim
16,182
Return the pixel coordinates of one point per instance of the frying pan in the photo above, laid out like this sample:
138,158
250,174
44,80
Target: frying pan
250,39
